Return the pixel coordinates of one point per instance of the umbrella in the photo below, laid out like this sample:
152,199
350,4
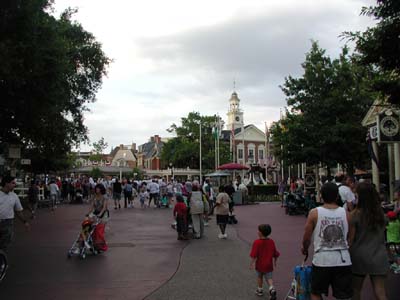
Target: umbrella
232,166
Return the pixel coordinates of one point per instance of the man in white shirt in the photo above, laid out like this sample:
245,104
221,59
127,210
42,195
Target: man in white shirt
154,191
346,194
328,227
9,206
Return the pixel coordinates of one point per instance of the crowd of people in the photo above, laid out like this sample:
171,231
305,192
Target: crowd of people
346,229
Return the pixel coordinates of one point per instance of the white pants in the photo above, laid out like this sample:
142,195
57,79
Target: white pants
198,225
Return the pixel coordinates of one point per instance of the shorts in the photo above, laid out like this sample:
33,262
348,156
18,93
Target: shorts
267,275
340,278
222,219
117,196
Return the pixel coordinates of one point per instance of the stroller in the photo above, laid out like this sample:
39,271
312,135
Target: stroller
84,242
295,204
301,285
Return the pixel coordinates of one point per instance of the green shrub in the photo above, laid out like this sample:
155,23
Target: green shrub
263,193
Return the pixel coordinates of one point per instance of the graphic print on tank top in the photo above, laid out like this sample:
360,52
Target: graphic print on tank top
332,233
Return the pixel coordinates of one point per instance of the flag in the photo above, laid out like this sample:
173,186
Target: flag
371,150
215,132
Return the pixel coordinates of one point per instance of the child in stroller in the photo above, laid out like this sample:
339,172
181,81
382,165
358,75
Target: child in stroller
84,241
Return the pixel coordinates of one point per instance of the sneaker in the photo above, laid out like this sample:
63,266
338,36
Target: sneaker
220,236
225,236
205,224
259,292
272,293
87,245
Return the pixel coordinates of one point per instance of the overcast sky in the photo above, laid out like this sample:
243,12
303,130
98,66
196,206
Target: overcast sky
177,56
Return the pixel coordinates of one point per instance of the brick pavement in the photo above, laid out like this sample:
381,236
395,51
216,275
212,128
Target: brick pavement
145,261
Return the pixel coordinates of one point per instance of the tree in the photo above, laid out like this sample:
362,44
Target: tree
379,46
183,151
98,148
326,107
51,68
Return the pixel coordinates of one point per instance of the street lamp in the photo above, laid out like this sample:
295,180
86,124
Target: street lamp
171,166
121,164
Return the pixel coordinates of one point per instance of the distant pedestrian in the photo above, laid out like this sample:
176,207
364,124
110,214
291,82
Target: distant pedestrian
54,190
117,190
154,190
263,258
33,198
128,192
180,215
143,196
197,210
222,212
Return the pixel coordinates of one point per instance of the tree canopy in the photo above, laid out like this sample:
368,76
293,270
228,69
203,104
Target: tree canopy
183,150
379,46
51,69
326,107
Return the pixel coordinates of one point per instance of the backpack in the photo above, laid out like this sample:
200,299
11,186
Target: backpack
339,200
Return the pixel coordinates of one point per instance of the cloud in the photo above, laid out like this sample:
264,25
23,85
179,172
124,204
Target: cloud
174,57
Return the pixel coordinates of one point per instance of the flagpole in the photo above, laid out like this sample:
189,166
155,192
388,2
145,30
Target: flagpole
200,153
218,133
266,158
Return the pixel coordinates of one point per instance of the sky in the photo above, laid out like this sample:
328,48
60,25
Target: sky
178,56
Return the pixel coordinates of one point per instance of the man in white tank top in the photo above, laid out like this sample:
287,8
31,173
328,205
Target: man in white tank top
327,226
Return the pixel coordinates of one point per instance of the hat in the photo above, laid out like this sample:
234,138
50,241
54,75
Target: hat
391,215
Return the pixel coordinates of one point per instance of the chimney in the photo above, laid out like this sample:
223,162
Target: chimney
157,139
121,147
133,147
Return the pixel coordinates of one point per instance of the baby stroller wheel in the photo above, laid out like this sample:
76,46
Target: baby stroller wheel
83,255
69,255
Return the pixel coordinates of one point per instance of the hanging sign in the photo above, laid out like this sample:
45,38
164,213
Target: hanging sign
388,127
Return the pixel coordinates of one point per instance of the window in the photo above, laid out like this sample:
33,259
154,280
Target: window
260,154
251,155
240,153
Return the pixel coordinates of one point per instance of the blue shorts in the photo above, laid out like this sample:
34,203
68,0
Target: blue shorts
265,275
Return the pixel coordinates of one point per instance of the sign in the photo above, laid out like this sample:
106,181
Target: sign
388,127
25,161
309,181
373,132
14,151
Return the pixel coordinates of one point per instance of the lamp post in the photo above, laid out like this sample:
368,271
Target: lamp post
171,166
121,163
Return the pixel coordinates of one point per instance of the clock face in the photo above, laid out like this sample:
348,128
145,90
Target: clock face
389,126
237,119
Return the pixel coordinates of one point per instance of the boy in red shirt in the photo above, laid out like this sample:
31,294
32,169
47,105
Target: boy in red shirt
180,214
264,256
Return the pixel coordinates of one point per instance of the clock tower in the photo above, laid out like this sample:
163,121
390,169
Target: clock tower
235,114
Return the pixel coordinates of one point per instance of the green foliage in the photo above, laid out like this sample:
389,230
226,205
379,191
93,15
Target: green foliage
379,46
99,146
183,151
326,107
263,193
139,173
96,173
51,68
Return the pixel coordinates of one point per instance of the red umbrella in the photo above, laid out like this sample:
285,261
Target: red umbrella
232,166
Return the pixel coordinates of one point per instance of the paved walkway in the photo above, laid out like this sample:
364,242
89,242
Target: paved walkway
145,261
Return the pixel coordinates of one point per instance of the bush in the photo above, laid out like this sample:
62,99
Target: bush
263,193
